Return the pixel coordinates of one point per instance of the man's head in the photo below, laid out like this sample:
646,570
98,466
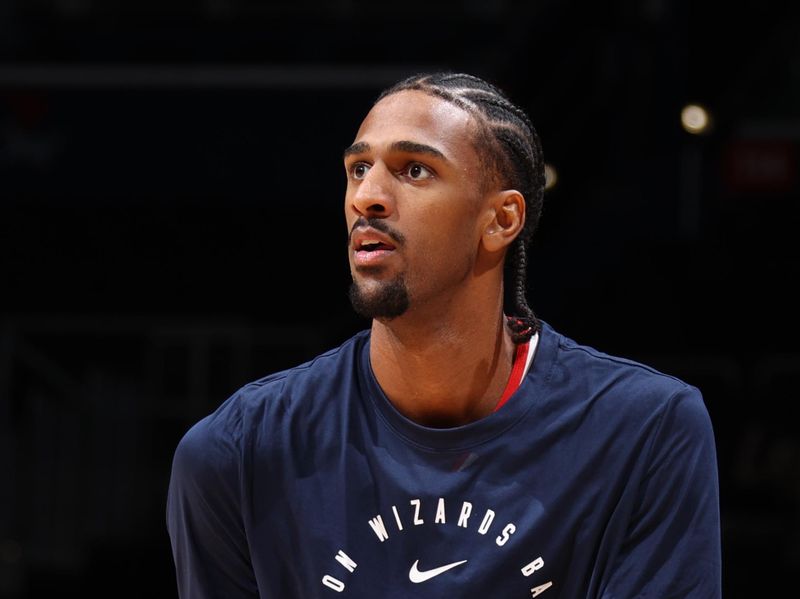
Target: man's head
466,165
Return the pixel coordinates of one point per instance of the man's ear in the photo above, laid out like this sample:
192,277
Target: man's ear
507,217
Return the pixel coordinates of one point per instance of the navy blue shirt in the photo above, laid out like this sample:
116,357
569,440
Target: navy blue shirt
598,478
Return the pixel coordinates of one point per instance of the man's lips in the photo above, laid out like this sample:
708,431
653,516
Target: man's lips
367,238
370,247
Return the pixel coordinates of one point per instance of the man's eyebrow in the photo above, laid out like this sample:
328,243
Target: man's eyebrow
411,147
357,148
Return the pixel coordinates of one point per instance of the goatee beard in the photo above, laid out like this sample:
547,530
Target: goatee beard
389,301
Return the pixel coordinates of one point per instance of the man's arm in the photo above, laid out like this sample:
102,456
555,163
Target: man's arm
204,517
671,547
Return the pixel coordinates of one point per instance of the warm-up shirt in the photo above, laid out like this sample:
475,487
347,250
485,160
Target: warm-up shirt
596,479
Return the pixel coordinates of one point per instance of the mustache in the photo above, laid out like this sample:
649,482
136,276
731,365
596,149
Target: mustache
379,224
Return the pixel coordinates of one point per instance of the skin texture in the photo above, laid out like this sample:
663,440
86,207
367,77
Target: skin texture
413,165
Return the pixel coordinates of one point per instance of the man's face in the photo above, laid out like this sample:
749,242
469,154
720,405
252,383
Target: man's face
413,204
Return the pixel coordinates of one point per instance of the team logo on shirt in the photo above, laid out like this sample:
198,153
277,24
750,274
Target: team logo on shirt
394,524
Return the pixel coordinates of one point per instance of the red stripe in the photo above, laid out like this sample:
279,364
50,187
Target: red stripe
520,357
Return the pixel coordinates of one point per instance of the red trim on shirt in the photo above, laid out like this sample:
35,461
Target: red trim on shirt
517,369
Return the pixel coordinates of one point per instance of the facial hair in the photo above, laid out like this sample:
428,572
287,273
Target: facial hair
389,301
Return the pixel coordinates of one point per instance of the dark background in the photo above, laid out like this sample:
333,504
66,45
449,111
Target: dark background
171,228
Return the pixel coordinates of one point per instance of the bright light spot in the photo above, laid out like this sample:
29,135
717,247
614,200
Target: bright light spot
550,176
695,119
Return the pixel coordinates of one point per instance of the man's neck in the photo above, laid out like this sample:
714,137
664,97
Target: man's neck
444,374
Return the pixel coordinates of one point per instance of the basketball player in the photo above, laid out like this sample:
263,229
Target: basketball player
460,447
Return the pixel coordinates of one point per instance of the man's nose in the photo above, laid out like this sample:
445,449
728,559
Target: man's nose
373,195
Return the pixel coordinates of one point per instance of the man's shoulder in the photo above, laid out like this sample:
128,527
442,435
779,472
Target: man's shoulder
280,392
280,396
631,378
332,364
623,393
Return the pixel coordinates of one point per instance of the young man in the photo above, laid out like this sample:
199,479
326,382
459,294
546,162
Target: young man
460,447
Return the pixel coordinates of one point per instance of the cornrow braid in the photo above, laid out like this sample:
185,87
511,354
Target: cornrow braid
511,151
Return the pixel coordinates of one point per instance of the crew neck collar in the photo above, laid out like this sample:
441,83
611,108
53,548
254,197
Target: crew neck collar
525,398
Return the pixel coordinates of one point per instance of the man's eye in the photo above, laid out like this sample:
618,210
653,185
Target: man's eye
417,172
360,170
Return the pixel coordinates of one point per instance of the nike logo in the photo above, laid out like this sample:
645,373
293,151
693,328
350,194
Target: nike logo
414,575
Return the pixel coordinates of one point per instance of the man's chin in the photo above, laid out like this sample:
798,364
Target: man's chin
383,300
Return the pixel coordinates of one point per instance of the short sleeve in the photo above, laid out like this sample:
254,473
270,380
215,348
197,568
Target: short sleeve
671,547
204,518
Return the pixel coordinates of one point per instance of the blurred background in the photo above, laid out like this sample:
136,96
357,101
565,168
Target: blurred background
171,228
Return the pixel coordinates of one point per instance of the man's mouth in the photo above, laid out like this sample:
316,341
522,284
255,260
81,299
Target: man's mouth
371,248
373,245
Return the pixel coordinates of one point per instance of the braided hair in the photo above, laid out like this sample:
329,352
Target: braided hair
510,150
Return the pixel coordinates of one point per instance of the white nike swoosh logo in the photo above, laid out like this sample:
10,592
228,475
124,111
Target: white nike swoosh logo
414,575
